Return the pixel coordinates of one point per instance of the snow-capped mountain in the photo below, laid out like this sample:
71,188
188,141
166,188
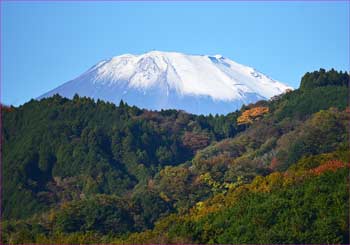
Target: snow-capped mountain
199,84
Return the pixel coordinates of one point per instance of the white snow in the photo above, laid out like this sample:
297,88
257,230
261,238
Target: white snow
214,76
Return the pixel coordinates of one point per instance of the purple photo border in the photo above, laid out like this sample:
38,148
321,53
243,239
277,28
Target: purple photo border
156,1
144,1
1,136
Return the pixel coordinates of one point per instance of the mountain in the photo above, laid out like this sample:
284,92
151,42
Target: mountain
199,84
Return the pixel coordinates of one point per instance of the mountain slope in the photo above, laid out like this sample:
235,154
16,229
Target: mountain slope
198,84
79,171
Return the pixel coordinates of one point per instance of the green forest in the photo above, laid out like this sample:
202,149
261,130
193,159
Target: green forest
82,171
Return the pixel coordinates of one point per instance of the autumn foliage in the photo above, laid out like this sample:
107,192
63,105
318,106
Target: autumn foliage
252,114
331,165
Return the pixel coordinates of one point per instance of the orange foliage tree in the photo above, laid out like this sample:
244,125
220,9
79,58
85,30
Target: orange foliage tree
250,115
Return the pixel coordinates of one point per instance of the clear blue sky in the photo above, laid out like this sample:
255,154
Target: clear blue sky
44,44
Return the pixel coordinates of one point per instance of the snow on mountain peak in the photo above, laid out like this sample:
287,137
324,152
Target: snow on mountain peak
173,76
213,76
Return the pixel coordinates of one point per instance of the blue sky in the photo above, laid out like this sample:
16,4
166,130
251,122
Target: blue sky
44,44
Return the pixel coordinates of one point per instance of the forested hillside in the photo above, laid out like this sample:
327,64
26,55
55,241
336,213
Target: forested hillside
85,171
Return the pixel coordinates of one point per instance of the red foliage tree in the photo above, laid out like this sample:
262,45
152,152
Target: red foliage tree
331,165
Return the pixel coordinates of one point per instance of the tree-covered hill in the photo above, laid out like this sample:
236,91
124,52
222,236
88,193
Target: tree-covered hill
310,205
80,171
58,150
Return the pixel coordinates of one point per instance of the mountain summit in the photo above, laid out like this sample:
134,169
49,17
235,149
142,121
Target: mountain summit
199,84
